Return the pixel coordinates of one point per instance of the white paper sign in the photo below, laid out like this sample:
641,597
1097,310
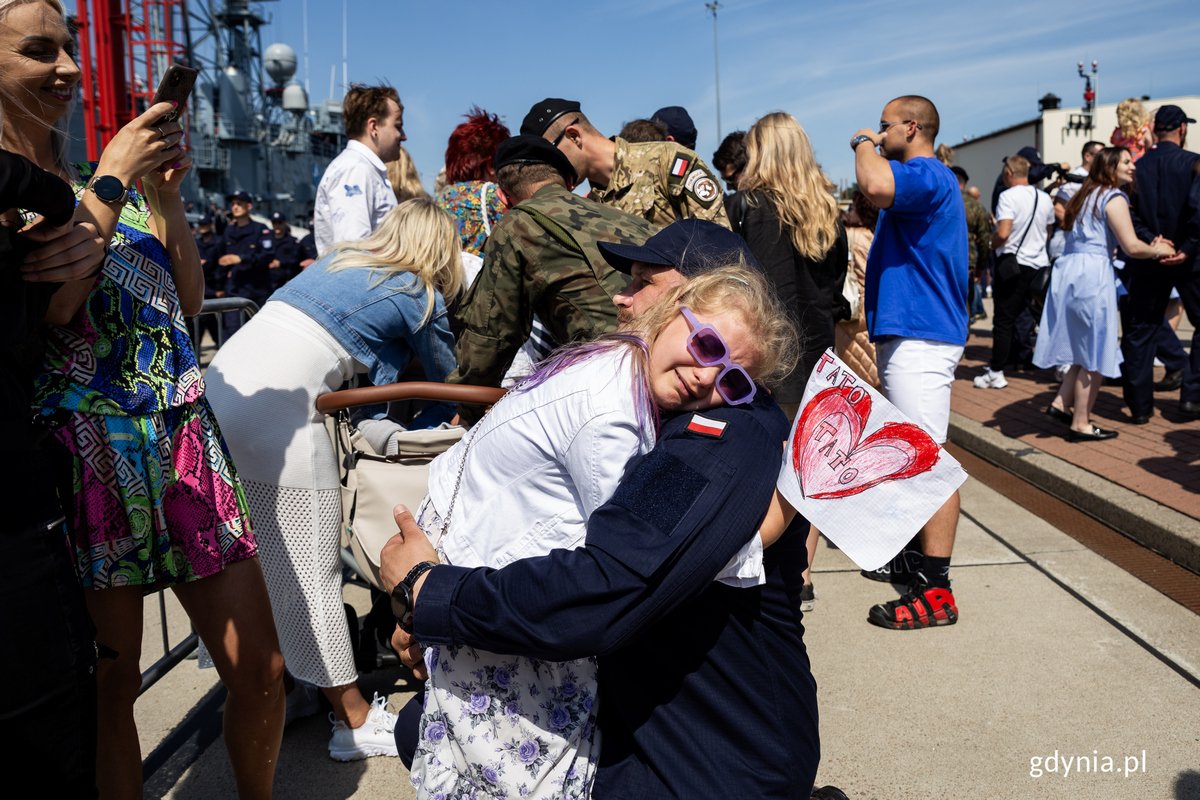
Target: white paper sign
860,470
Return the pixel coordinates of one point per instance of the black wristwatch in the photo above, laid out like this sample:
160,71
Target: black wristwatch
108,188
857,140
402,595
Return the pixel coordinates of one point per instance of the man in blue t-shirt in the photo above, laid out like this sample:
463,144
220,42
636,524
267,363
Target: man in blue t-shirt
916,312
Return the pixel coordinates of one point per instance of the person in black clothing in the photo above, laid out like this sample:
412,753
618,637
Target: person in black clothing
48,685
1167,204
242,269
209,243
308,247
790,221
789,218
285,252
243,255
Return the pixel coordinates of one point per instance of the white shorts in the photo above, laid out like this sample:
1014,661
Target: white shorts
916,376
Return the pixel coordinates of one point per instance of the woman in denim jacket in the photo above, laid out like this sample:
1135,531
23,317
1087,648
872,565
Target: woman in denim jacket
370,307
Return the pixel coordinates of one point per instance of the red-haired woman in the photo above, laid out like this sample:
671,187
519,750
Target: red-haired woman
470,195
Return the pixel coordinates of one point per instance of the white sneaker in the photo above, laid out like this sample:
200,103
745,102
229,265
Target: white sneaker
303,700
991,380
376,737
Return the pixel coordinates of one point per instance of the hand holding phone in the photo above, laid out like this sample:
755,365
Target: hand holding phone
175,87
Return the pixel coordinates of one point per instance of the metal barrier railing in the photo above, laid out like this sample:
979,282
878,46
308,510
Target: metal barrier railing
217,308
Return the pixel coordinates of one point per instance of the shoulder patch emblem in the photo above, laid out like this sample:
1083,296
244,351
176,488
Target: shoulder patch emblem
680,166
707,427
703,187
352,191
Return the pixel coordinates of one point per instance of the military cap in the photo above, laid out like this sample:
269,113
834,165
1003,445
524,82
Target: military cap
692,246
679,124
241,195
543,113
278,216
205,220
532,149
1170,117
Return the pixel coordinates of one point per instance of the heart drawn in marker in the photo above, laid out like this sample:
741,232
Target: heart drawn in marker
831,460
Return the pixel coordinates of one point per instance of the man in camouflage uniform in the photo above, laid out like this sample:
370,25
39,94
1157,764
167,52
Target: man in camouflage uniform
979,240
541,258
658,181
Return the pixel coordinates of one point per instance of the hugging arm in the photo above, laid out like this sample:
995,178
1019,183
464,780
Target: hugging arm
679,515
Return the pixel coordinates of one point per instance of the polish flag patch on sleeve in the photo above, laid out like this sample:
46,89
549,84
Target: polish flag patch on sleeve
679,167
707,427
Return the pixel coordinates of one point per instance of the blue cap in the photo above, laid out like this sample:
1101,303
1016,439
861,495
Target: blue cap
679,125
692,246
241,195
1170,117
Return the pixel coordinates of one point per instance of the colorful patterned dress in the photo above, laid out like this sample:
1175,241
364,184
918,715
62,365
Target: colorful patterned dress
465,202
156,499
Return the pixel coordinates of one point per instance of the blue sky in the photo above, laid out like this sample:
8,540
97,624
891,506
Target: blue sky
833,64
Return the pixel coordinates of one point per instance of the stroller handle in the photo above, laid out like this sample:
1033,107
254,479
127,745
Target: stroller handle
408,390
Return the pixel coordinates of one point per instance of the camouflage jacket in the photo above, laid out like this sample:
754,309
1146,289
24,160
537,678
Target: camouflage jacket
541,258
662,182
979,230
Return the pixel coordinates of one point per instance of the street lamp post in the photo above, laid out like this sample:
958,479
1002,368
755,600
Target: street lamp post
713,6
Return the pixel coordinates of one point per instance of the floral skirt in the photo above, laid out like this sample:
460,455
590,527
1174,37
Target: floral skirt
504,727
156,499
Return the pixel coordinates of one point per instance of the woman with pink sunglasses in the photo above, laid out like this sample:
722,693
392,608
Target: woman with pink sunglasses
552,451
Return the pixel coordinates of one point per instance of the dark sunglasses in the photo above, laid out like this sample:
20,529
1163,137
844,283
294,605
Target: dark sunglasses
563,132
707,346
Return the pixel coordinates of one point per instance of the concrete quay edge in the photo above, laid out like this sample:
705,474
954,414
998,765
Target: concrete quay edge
1162,529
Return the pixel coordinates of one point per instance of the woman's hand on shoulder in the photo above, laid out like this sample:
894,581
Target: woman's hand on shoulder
144,145
70,252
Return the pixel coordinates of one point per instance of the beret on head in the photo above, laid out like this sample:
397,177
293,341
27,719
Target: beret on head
543,113
533,149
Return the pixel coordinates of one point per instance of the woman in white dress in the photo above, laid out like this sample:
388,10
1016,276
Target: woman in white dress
542,460
1079,321
367,306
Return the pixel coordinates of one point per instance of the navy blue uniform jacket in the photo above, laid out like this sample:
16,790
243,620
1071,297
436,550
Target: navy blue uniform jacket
1167,200
705,690
250,278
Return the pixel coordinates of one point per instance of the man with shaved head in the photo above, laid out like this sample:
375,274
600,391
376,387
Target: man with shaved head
916,312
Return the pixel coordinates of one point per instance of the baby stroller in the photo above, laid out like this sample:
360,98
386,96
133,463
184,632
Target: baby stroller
373,480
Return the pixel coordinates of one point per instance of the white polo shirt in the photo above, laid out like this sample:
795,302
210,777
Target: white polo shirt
354,195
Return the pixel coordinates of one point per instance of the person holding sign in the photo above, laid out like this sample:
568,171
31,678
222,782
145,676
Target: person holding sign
916,311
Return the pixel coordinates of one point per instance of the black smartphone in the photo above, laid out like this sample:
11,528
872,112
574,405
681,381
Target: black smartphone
175,85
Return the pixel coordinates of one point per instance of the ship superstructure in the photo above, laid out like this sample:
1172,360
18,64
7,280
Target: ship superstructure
249,123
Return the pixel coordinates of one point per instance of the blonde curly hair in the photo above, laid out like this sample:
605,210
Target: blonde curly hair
733,288
1132,116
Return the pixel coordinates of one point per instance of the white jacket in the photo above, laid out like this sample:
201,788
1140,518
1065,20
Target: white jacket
354,195
541,462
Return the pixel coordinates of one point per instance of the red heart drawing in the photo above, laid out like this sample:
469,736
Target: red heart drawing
832,462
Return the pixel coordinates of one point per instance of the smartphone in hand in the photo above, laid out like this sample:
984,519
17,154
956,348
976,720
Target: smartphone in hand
176,85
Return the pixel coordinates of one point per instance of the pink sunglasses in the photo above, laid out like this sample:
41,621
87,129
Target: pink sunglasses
709,349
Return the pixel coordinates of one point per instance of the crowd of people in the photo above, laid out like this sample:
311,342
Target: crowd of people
602,588
1099,265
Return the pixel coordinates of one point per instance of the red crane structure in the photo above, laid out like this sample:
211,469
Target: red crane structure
125,46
